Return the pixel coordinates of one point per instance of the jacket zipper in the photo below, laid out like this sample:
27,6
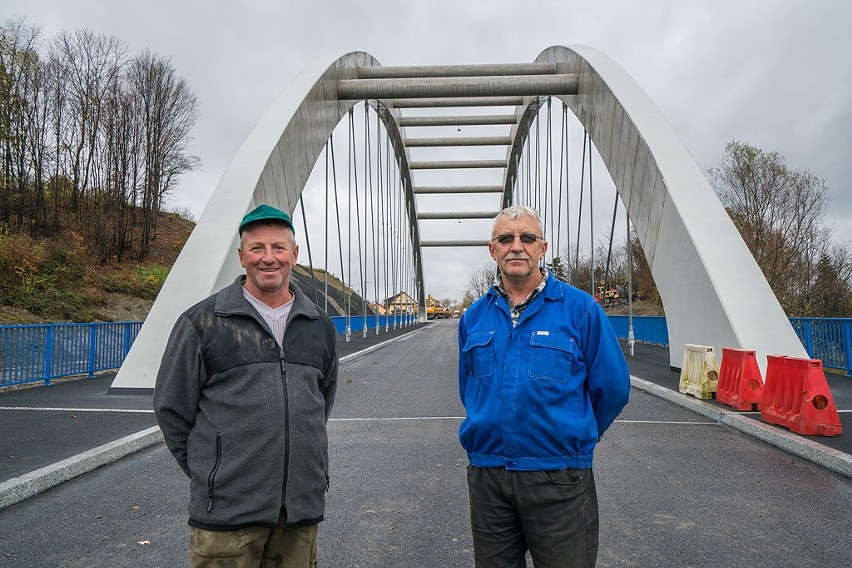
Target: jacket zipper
211,479
286,425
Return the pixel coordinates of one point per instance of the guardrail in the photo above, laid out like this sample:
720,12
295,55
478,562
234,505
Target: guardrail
646,329
42,352
828,339
357,323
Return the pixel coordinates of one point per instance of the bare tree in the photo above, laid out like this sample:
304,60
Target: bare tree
19,65
121,162
89,65
779,212
168,111
87,138
480,280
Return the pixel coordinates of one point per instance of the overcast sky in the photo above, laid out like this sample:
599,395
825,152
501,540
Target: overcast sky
773,74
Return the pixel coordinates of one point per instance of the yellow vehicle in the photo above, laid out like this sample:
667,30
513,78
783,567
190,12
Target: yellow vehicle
607,296
434,309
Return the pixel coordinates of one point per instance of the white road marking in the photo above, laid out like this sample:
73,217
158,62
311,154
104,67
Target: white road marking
396,419
412,418
127,410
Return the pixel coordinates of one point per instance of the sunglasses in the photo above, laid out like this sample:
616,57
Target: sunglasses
508,238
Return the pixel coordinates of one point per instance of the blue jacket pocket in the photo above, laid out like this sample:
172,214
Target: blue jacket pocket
551,356
479,350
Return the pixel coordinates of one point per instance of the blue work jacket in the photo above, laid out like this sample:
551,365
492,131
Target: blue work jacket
540,395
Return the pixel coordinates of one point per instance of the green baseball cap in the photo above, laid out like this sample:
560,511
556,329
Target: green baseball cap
266,213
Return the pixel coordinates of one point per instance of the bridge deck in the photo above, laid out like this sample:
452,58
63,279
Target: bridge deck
676,488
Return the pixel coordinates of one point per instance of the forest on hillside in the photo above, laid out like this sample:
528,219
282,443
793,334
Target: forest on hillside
92,137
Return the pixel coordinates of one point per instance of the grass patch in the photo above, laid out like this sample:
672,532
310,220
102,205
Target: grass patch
142,281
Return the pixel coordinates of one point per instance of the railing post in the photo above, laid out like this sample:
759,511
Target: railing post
125,348
809,337
93,337
48,354
847,344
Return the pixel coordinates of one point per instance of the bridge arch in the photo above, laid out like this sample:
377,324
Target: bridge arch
712,289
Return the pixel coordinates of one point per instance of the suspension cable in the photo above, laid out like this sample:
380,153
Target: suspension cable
548,187
519,180
350,137
377,204
394,245
385,241
537,185
591,220
326,227
361,281
580,210
339,234
630,339
529,172
559,201
308,244
567,194
609,248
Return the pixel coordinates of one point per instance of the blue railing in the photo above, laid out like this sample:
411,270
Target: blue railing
646,329
41,352
828,339
356,323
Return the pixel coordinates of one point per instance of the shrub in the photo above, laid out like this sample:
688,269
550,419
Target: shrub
142,281
40,280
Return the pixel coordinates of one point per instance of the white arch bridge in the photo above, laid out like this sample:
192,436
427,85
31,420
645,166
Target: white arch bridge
712,289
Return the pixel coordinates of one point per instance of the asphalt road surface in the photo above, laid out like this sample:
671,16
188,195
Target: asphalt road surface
676,490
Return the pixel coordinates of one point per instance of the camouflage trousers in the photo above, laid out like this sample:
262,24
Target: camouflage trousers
255,547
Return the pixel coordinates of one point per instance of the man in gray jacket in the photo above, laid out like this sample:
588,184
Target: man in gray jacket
243,395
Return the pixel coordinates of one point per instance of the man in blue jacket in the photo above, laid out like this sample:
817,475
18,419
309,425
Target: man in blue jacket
541,376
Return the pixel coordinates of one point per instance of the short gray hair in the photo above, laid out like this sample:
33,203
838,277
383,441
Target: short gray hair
516,212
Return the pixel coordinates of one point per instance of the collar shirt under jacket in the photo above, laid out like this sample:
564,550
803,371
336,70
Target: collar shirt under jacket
516,311
538,395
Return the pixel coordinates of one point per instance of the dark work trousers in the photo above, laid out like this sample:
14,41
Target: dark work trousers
553,514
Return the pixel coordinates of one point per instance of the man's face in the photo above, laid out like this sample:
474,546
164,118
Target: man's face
518,261
268,253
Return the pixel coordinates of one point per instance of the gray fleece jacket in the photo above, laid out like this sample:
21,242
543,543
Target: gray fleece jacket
245,419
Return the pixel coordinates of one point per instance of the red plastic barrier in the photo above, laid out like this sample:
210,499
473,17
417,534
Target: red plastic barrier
797,397
740,383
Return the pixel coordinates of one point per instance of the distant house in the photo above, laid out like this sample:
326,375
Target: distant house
378,308
401,303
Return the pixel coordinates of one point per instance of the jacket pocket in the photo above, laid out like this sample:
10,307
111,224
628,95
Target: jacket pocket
551,356
479,350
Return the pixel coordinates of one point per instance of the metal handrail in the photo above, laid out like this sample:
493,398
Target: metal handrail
42,352
827,339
